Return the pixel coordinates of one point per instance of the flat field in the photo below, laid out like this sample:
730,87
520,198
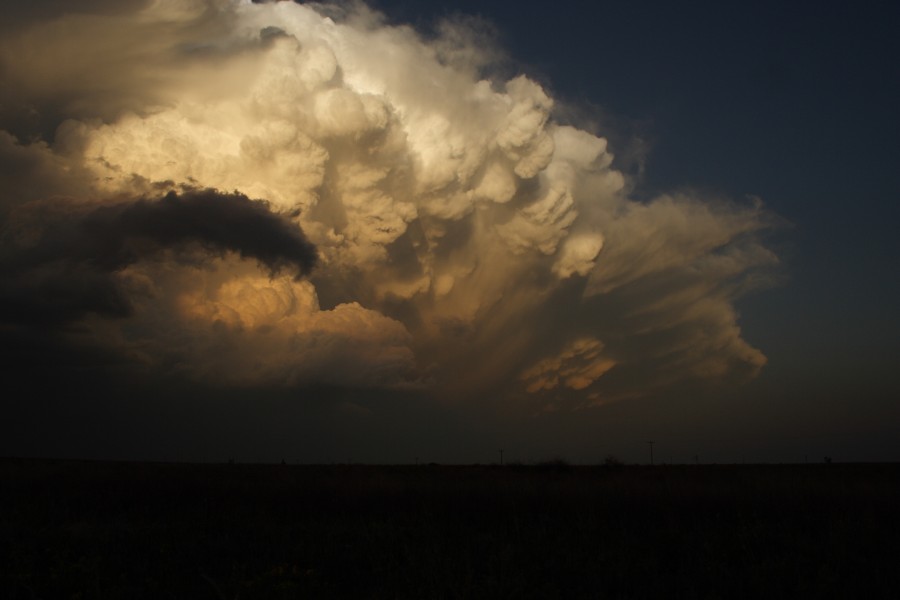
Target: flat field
72,529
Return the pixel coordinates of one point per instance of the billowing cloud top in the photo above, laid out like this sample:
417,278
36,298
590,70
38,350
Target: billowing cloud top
464,241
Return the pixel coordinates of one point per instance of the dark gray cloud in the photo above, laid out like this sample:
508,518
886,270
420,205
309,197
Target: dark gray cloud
218,221
70,270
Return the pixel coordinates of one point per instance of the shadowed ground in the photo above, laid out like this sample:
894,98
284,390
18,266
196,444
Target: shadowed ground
72,529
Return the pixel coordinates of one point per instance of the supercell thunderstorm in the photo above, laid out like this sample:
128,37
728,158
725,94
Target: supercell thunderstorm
290,195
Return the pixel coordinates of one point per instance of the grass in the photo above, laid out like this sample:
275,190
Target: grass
73,529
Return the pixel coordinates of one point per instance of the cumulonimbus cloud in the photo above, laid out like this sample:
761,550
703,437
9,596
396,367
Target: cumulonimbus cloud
467,242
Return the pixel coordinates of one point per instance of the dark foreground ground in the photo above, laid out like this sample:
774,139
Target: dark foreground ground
116,530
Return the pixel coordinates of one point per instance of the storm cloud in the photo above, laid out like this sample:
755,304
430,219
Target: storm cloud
466,241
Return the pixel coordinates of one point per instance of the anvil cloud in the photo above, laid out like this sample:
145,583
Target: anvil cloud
291,194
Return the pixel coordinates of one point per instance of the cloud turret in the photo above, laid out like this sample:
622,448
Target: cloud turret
465,241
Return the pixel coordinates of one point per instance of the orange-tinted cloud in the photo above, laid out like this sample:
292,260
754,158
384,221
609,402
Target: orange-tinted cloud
466,240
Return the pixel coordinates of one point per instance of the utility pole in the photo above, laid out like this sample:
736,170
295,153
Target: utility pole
651,452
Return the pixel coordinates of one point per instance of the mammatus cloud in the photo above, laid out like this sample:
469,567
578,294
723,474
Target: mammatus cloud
467,243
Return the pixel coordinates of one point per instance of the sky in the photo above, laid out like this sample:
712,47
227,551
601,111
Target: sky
395,232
